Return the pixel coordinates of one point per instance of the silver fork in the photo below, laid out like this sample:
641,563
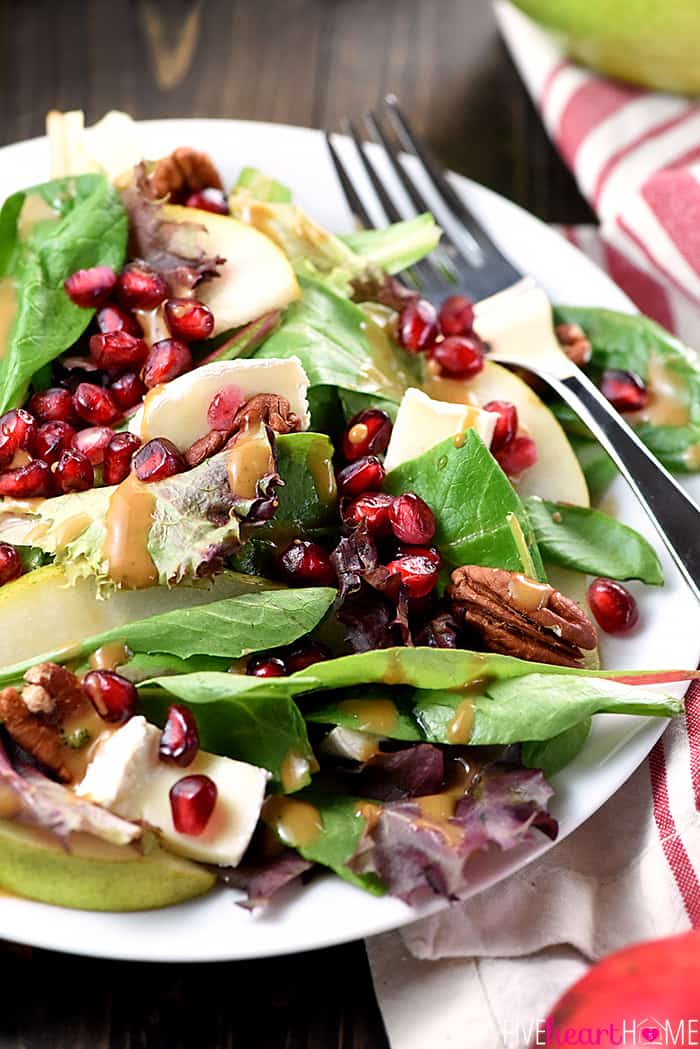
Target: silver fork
472,264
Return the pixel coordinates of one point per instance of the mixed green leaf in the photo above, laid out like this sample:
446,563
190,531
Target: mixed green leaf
80,222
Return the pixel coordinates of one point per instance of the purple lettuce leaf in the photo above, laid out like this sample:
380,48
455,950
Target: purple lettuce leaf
152,234
372,603
260,880
416,855
43,803
406,773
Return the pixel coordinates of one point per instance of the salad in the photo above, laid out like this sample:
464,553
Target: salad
292,576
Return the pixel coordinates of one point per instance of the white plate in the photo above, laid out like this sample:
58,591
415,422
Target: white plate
329,911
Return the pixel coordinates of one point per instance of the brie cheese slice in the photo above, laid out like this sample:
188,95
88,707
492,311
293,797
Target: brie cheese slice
422,422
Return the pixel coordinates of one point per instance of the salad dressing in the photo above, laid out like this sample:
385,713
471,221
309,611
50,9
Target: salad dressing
153,325
394,673
379,716
294,772
385,369
87,722
247,462
438,809
71,528
691,457
296,823
370,813
8,311
128,522
34,210
527,595
668,398
110,656
460,727
321,469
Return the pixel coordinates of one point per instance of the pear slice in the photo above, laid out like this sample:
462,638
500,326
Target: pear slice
256,277
556,475
93,875
41,611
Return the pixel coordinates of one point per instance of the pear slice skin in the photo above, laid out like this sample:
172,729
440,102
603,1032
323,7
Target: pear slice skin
95,876
41,612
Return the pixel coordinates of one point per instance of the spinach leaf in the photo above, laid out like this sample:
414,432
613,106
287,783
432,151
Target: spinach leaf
88,228
589,541
598,468
424,668
635,343
477,510
352,403
536,706
230,628
339,346
262,729
342,826
552,755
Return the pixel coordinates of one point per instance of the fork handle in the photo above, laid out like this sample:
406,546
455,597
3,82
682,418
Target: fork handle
672,511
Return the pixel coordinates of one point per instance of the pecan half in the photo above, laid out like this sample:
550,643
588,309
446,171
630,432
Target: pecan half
573,341
206,446
517,616
182,172
35,717
270,408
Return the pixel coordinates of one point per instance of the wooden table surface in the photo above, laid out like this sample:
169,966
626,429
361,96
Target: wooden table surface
303,62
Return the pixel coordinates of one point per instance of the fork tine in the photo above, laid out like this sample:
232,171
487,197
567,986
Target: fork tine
456,205
359,211
423,273
391,211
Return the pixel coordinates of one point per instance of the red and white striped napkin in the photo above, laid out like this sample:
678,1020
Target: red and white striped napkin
485,972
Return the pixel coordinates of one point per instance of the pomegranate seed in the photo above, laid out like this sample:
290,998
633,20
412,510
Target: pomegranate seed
625,390
456,315
192,801
92,442
158,459
459,356
127,391
372,510
17,430
52,440
167,359
90,288
114,697
305,655
55,404
368,433
10,563
179,742
307,564
28,481
412,520
94,405
117,457
224,407
209,199
506,424
613,606
517,456
266,666
140,288
364,475
116,350
110,318
189,319
418,326
419,568
74,472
